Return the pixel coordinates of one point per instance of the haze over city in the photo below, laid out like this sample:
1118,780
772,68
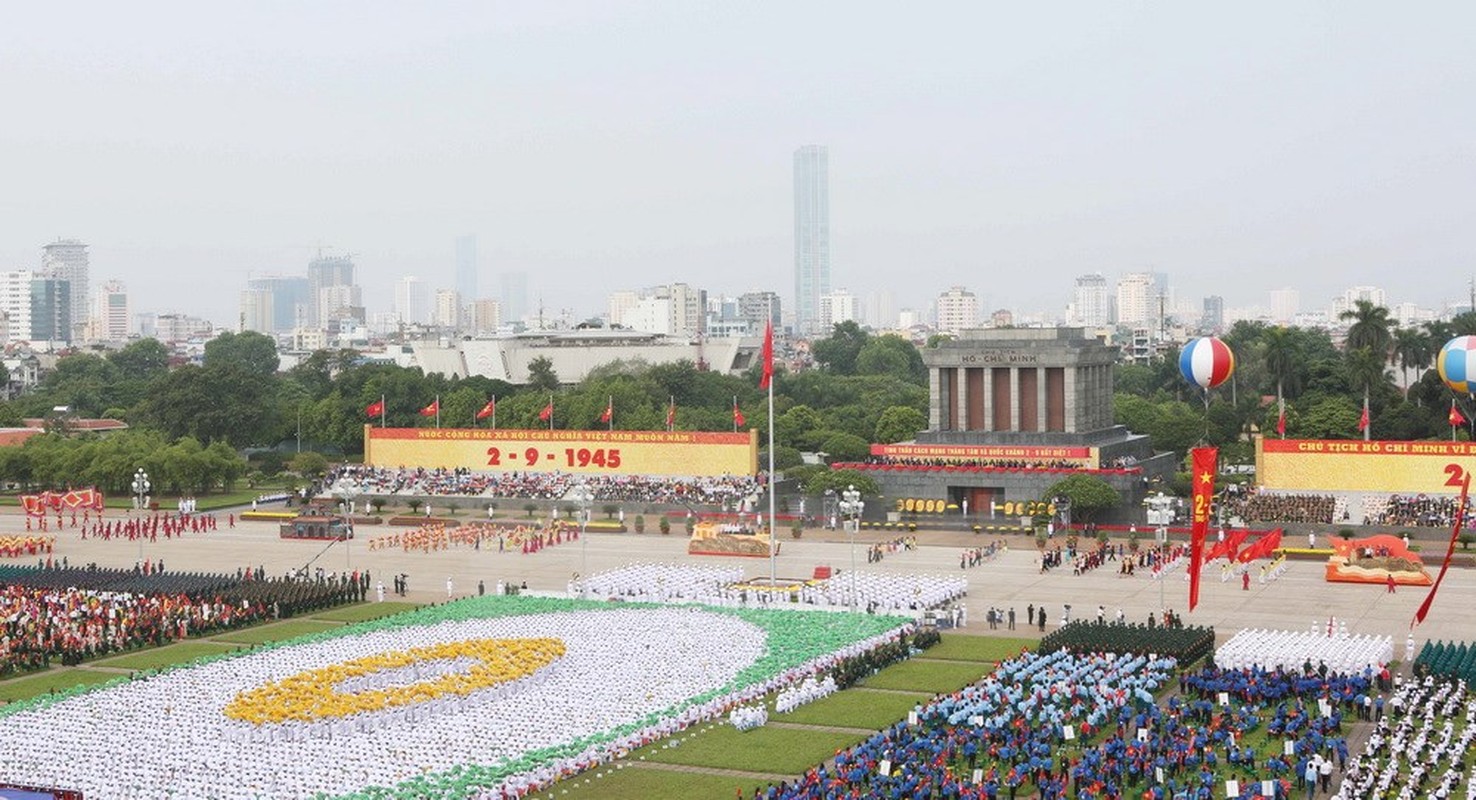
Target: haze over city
600,147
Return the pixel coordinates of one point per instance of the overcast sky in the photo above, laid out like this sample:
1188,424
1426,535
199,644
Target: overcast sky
605,145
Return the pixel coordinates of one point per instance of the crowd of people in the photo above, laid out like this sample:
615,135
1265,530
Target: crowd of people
1419,510
66,615
1058,464
974,556
1415,751
437,536
1330,644
23,546
1251,504
876,552
734,492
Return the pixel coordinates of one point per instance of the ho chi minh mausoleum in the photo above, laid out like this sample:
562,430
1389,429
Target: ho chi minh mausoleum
1011,412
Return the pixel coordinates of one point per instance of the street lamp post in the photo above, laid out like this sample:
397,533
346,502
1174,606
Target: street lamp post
583,496
1159,516
348,520
851,507
141,487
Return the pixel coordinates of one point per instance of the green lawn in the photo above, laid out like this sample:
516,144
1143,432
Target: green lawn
935,677
963,647
35,685
277,631
636,783
169,655
361,612
784,751
856,708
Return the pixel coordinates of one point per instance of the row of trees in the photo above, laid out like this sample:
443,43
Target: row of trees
184,466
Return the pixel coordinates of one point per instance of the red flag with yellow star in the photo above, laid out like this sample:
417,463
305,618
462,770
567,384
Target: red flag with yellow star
1205,464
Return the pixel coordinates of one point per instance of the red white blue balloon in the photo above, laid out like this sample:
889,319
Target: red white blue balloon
1207,362
1457,364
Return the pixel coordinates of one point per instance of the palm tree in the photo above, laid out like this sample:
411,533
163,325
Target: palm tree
1412,348
1366,369
1283,359
1370,328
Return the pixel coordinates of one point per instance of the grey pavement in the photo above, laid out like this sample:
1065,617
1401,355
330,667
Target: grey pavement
1010,580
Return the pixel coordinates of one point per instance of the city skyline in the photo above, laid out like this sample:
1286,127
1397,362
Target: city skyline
1009,150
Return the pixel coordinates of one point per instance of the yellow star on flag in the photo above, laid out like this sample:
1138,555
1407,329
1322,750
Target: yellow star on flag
1205,477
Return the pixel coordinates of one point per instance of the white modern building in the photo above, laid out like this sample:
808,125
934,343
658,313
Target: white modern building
1285,305
110,312
412,301
1091,305
66,259
448,312
958,310
836,307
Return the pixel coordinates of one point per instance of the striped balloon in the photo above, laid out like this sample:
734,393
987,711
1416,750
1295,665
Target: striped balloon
1457,364
1207,362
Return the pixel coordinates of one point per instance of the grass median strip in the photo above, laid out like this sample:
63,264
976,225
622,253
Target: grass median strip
934,677
987,649
637,783
25,688
783,751
855,708
362,612
169,655
277,631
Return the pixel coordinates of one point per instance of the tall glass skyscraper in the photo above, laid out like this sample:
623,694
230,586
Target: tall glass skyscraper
811,236
466,267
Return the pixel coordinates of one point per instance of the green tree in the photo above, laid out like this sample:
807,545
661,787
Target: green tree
1282,358
899,424
837,480
1329,418
838,352
253,352
1369,329
1089,496
798,427
309,464
144,359
1412,349
1366,369
845,447
890,354
541,375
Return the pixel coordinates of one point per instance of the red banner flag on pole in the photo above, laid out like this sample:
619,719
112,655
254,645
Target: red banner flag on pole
374,409
432,409
1363,419
671,415
1456,419
609,413
488,410
1464,481
767,356
1205,465
738,420
546,415
1281,419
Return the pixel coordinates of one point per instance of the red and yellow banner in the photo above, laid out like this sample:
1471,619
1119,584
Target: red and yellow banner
1202,473
683,453
1383,467
1086,456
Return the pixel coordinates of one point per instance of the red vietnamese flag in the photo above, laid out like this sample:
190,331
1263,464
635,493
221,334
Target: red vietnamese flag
488,410
374,409
1456,420
671,414
768,356
738,420
609,412
547,413
1204,465
432,409
1363,419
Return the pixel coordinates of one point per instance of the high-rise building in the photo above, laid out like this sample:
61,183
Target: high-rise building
1137,303
1091,306
688,310
278,303
1348,300
466,266
323,272
811,237
958,310
110,317
514,296
335,303
486,316
836,307
1285,305
15,303
180,328
760,309
448,309
51,310
412,302
66,259
1213,320
881,310
619,303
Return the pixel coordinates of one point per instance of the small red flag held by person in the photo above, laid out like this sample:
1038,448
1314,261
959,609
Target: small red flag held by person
547,413
1456,419
768,356
432,409
374,409
488,410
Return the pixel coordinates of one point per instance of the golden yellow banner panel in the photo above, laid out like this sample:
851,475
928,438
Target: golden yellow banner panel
1341,465
678,453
